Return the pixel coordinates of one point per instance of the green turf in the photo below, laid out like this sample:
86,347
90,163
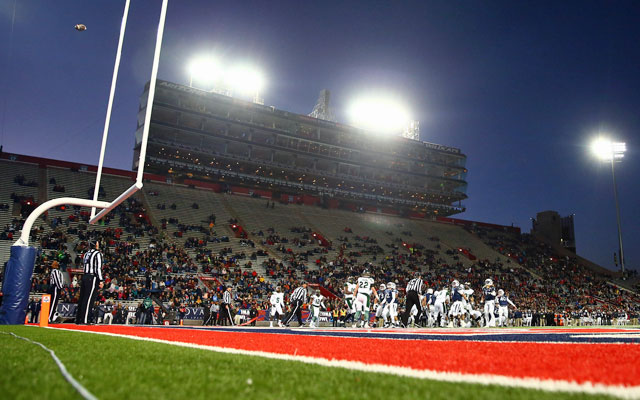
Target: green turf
120,368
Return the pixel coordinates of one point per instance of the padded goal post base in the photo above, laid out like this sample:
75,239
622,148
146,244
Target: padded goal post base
16,285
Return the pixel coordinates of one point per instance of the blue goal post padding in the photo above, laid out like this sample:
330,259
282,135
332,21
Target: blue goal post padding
16,285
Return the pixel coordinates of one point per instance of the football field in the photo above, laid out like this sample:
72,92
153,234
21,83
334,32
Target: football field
122,362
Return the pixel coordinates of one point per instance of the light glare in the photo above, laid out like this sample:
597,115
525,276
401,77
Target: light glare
379,113
244,80
205,69
606,150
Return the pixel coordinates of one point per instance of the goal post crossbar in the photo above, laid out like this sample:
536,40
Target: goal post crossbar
115,203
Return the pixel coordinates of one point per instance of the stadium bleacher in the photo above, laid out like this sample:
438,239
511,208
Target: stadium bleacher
164,242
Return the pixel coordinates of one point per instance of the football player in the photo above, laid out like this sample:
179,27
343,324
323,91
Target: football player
363,292
489,293
380,304
390,311
349,288
503,310
429,302
277,305
458,298
316,304
440,307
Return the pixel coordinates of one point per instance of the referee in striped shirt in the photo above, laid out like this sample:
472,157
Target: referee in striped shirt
414,290
55,287
91,283
227,300
296,301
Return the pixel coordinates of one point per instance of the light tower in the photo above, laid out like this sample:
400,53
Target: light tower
321,109
608,151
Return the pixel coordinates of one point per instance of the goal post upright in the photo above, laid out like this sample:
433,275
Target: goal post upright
112,92
17,282
147,121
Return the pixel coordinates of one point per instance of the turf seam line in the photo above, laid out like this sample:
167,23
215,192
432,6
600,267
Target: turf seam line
69,378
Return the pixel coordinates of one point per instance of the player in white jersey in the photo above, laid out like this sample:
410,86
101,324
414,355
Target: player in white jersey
390,311
364,290
527,316
380,303
316,305
503,308
440,307
349,289
277,306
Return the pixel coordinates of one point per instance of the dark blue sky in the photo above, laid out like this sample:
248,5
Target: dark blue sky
520,87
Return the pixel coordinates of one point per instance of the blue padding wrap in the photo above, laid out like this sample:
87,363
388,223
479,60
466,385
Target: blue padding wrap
17,284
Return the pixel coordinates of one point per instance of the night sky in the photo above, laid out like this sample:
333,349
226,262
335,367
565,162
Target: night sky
520,87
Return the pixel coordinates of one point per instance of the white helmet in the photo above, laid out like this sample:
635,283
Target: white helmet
430,291
383,286
500,292
488,282
455,283
391,285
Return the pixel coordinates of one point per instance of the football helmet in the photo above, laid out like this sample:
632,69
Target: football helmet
488,282
455,283
383,286
500,292
430,291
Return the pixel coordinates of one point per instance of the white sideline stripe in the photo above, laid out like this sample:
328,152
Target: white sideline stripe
624,392
426,338
610,335
76,385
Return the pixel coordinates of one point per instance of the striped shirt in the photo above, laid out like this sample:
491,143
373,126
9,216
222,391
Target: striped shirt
93,263
300,294
56,278
415,284
226,297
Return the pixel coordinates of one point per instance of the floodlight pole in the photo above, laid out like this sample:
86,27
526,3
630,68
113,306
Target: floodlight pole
615,195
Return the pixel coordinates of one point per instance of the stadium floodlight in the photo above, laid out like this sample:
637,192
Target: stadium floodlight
244,79
606,150
379,113
204,69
